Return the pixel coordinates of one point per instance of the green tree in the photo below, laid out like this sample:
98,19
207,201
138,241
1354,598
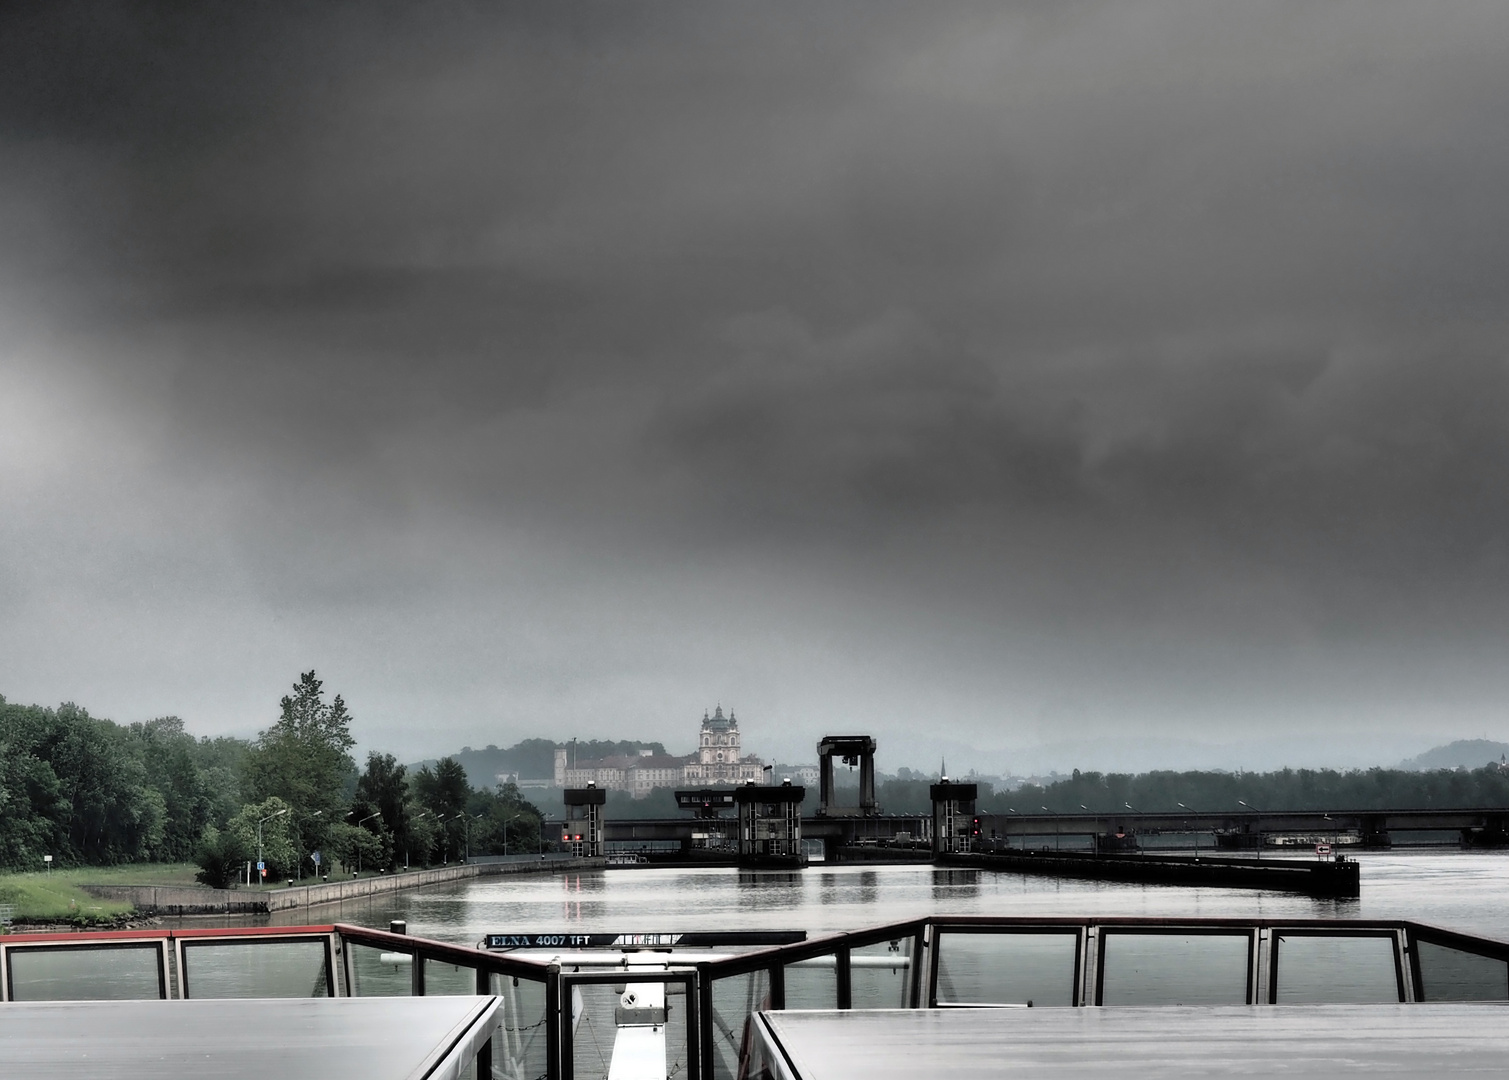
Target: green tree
167,755
221,856
443,792
426,839
277,846
32,807
304,759
222,760
383,789
113,814
366,847
502,822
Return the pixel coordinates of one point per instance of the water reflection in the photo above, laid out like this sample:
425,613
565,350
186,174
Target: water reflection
868,887
1461,890
951,885
574,910
771,889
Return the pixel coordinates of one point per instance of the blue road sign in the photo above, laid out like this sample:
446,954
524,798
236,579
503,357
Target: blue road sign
316,857
261,865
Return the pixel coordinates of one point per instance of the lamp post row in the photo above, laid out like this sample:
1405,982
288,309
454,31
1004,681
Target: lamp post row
466,820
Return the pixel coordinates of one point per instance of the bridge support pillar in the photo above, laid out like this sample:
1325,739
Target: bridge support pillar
1494,832
854,750
955,826
1375,832
770,824
583,832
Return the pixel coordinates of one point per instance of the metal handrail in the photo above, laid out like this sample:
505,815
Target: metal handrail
923,933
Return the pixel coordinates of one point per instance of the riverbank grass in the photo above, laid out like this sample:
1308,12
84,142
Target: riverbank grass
38,896
37,899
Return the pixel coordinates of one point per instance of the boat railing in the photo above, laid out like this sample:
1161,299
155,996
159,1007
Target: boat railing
558,1017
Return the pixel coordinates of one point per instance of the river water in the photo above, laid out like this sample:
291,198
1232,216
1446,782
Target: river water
1467,891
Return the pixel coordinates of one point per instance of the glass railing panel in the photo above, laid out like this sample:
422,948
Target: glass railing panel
629,1028
1454,975
379,972
85,973
441,977
880,975
1174,969
1355,969
812,984
256,968
1035,967
521,1039
735,999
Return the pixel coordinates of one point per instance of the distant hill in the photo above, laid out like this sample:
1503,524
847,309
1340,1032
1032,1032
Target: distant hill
1462,754
532,759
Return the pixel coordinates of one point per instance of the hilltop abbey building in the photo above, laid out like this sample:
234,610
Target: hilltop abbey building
719,759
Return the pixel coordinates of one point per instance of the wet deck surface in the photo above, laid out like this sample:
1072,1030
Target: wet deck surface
290,1039
1294,1042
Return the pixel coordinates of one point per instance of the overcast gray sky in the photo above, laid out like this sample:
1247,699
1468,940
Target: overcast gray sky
1073,381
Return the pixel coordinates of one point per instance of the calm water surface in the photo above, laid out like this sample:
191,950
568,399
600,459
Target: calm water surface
1461,890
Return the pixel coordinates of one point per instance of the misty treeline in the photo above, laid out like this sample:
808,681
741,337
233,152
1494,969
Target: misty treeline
92,792
534,759
1162,791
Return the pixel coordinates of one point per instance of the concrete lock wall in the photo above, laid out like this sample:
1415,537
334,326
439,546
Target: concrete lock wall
197,900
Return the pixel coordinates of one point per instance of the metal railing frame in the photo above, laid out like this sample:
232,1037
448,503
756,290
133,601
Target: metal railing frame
925,935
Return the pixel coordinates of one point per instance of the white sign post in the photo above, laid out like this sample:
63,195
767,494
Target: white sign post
48,860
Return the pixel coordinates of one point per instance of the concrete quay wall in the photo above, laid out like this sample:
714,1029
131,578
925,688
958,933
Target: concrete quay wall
197,900
1328,878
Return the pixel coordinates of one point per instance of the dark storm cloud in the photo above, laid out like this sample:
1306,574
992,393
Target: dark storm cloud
1095,366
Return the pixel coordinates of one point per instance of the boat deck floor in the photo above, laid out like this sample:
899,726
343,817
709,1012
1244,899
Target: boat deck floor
1297,1042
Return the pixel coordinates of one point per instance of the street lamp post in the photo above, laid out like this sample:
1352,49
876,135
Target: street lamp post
1255,811
417,818
316,814
515,817
262,873
1134,810
1192,810
467,820
1057,828
359,824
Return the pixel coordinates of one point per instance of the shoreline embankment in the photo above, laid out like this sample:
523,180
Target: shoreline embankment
199,900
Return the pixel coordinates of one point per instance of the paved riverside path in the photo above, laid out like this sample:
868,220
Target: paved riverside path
198,900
